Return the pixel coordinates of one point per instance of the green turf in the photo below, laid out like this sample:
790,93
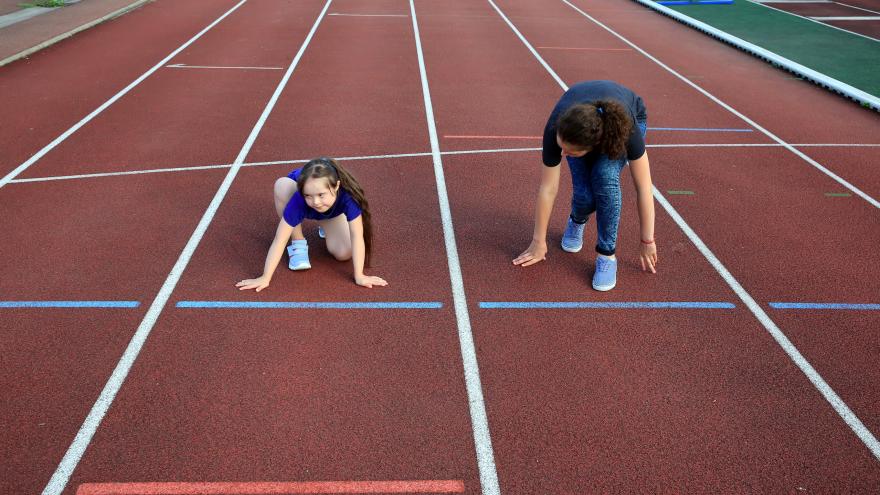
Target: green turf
843,56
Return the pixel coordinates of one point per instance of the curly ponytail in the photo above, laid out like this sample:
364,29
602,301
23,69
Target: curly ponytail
603,125
334,172
616,126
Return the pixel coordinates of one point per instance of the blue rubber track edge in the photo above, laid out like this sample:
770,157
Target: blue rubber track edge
608,305
784,305
69,304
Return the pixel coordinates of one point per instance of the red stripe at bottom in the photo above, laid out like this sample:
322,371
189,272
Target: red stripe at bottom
271,488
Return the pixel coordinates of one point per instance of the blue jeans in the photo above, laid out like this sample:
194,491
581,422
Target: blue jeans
596,186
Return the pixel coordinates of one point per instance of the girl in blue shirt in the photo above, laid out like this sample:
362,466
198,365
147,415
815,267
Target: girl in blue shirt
324,191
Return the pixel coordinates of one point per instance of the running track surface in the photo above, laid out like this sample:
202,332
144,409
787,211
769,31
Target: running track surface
630,397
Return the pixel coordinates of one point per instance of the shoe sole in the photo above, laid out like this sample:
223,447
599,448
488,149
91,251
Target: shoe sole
604,288
300,266
572,250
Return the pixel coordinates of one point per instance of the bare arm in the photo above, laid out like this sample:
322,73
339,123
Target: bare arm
537,250
641,174
358,254
273,257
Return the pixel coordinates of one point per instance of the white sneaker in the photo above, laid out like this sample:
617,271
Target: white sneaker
299,255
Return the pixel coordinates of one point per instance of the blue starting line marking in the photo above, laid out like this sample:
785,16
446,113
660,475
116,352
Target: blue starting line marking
308,305
608,305
785,305
69,304
698,129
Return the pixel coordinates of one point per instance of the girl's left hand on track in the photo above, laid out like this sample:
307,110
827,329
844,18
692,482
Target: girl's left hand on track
648,257
253,283
369,281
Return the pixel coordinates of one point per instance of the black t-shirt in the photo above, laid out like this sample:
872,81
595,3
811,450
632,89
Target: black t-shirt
589,92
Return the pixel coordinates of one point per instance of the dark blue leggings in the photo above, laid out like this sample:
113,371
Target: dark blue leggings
596,188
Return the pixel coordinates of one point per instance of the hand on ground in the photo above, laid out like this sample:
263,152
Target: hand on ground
369,281
253,283
648,257
536,252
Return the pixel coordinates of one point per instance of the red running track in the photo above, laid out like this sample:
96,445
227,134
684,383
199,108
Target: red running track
577,400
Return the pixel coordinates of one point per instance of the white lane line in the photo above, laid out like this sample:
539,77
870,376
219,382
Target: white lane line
479,419
845,18
408,155
49,147
369,15
778,335
793,1
764,4
857,8
732,110
184,66
827,392
117,174
84,436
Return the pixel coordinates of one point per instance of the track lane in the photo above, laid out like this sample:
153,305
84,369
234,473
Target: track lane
55,363
412,264
121,214
162,121
514,470
343,400
363,97
52,90
112,238
299,395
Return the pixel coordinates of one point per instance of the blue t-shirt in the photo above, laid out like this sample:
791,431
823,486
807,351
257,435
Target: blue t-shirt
297,209
589,92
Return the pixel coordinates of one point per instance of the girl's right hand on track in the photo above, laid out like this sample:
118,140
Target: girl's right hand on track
536,252
253,283
369,281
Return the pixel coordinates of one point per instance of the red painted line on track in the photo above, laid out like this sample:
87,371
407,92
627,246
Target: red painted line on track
271,488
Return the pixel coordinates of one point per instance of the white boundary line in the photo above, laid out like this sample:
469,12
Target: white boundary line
811,19
49,147
827,392
841,18
84,436
732,110
479,419
408,155
857,8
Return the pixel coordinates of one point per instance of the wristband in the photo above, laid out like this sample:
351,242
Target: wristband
647,242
